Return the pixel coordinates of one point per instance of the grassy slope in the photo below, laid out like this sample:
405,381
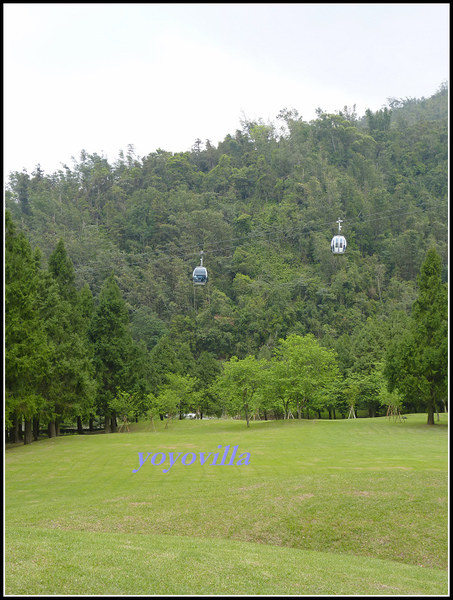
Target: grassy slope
325,507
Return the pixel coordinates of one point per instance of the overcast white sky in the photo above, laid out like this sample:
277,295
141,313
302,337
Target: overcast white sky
101,76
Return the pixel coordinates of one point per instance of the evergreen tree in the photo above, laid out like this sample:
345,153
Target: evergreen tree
69,387
112,344
26,350
62,270
417,364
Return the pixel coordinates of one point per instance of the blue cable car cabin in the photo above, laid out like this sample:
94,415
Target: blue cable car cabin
200,276
338,244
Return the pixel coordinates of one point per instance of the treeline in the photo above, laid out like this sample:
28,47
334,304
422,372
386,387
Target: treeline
262,205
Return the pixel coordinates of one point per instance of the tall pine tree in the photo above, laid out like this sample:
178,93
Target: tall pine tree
417,364
70,386
26,350
113,348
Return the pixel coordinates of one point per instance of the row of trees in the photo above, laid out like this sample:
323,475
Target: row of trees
68,358
263,206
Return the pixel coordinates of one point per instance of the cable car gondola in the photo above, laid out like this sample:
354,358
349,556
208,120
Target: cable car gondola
338,243
200,274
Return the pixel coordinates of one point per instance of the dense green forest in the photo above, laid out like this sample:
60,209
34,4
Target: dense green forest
103,320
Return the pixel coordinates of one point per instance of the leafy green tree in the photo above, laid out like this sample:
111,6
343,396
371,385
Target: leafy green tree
305,369
276,395
363,390
173,397
181,386
351,391
124,405
417,363
239,383
390,401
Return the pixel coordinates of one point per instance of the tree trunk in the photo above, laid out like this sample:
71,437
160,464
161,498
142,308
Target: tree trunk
35,429
430,409
287,410
79,426
91,424
14,431
107,424
28,434
57,427
51,429
114,424
247,418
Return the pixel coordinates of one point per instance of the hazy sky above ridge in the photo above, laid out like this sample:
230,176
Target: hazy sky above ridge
99,77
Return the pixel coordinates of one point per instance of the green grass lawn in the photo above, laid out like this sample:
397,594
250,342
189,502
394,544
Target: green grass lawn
325,507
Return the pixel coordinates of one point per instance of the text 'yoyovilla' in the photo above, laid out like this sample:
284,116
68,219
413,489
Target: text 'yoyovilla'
189,458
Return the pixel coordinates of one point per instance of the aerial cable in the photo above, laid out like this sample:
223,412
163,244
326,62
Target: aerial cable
187,253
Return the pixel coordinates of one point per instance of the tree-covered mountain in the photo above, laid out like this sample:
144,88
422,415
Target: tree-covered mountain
262,205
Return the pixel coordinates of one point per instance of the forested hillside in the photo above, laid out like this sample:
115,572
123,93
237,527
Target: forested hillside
262,205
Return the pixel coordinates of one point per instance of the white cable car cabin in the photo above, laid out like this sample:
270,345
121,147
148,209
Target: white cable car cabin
338,243
200,274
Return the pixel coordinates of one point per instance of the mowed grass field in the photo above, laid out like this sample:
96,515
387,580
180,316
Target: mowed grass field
324,507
